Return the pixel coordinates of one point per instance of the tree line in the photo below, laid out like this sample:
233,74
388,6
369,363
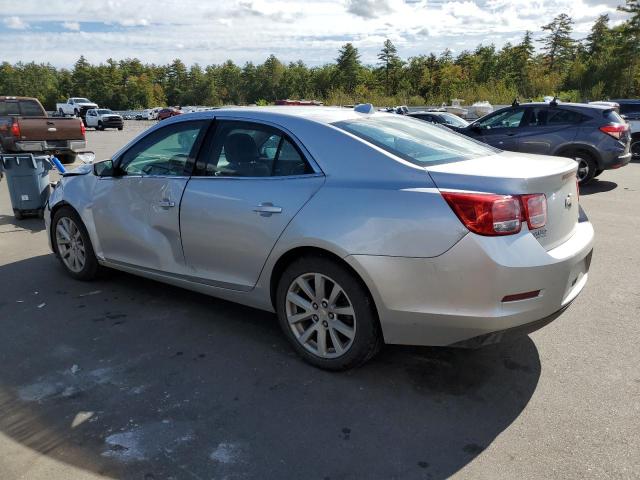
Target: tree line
602,65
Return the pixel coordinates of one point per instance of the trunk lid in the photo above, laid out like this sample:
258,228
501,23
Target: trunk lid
510,173
49,128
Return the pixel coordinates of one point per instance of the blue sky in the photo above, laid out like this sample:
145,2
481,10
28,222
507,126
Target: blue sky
207,31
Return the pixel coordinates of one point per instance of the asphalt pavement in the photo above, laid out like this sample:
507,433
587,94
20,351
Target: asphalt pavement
128,378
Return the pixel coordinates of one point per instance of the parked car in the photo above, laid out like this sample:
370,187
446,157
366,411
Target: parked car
595,136
152,113
168,113
25,127
441,118
75,106
356,228
630,111
101,118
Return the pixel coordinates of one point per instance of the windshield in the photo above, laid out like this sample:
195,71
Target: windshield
81,100
104,111
416,141
454,120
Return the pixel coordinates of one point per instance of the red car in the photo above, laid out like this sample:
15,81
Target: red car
168,112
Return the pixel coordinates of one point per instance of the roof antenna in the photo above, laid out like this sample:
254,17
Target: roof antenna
516,102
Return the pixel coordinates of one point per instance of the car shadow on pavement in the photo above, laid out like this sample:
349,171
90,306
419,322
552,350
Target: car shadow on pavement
597,186
32,224
131,378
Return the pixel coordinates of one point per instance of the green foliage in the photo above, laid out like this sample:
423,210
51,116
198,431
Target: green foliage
604,65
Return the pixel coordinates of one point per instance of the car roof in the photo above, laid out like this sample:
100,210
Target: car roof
316,114
565,104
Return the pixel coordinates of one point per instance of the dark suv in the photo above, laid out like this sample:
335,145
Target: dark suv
595,136
630,111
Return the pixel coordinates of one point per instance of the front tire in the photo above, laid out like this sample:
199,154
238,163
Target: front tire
100,126
635,150
327,314
72,245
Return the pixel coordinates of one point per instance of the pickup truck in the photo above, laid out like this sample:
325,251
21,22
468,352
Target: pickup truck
101,118
75,106
25,127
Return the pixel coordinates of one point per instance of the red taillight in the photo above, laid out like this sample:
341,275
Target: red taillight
615,130
83,129
486,214
494,215
15,129
535,210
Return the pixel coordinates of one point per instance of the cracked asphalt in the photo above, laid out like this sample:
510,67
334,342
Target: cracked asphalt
128,378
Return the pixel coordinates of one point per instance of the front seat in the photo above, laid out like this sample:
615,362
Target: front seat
241,152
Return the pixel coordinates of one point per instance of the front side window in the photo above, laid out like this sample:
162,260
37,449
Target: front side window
243,149
165,151
416,141
506,119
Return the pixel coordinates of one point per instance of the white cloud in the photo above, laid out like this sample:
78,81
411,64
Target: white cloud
15,23
250,30
73,26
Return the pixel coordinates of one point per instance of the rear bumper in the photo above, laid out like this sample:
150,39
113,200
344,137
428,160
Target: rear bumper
458,296
615,159
44,146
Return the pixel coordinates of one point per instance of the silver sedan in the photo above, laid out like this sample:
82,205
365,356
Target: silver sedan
356,227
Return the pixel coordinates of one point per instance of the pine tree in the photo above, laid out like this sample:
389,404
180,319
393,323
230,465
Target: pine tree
389,60
558,44
348,66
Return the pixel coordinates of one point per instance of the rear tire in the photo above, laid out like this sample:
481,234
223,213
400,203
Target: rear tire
635,150
587,166
72,245
120,128
18,215
315,317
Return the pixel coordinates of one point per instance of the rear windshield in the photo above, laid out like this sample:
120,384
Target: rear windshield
612,116
413,140
454,120
24,108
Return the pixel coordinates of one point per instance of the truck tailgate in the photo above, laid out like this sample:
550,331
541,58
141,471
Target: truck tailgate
50,128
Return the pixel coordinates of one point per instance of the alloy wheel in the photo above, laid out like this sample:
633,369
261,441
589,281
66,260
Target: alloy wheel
583,168
70,245
320,315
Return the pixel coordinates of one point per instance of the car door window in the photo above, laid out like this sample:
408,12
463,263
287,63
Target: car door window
563,117
506,119
242,149
166,151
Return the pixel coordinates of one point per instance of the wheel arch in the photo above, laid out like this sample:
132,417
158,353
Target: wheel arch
579,147
288,257
54,210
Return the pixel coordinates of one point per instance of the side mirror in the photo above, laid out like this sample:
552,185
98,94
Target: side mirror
104,169
86,157
475,127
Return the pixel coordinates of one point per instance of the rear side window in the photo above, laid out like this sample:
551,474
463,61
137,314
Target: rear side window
29,108
244,149
560,116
